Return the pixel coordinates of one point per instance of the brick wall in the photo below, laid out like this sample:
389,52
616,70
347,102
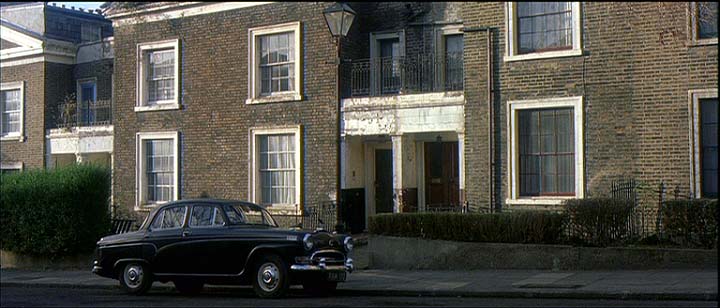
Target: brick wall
214,121
634,74
59,83
31,150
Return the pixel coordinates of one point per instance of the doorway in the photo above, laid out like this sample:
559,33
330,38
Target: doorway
442,189
383,181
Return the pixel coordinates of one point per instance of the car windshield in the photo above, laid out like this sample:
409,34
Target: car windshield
246,214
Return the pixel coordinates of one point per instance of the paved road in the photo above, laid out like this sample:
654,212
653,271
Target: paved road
35,296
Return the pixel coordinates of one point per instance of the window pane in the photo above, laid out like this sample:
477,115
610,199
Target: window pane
544,26
277,55
159,169
709,147
277,164
10,103
547,151
161,75
707,15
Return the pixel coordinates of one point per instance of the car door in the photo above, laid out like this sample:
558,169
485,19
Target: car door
165,233
207,242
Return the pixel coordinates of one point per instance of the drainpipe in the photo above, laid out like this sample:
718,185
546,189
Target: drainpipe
491,115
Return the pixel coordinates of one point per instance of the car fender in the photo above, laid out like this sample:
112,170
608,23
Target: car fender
127,260
281,249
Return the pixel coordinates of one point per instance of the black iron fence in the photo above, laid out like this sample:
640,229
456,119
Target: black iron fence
645,219
419,73
87,113
323,215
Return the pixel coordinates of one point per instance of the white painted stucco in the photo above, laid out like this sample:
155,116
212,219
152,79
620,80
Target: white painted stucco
403,114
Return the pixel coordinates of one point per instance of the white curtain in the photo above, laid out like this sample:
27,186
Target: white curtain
277,169
160,169
161,75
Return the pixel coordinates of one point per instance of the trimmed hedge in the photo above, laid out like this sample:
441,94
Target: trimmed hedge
530,227
600,221
53,213
691,223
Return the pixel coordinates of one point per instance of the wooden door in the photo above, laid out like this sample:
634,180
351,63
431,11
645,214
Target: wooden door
441,175
383,182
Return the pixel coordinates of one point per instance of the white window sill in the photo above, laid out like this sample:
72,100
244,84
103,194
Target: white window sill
17,138
704,42
283,209
146,207
157,107
279,98
544,55
538,200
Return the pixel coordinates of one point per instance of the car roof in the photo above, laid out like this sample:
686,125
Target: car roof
210,200
201,200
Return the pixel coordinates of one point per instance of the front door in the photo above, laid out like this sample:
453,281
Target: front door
441,175
383,182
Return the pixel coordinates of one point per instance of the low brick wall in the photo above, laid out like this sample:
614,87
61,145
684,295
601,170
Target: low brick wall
412,253
12,260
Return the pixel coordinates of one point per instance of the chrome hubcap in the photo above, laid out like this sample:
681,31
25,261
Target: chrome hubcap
133,275
268,277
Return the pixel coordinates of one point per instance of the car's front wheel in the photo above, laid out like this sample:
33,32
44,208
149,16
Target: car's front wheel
271,277
136,278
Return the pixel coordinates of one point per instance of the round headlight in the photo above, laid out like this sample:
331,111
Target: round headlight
307,242
349,244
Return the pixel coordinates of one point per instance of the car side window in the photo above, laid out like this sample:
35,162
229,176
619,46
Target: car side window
204,216
234,217
170,218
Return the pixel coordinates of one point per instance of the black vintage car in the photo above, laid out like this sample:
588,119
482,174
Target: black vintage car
194,242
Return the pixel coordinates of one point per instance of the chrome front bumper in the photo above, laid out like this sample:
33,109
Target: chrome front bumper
321,267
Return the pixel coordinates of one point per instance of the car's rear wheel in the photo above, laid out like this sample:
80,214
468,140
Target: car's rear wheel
271,277
136,278
188,286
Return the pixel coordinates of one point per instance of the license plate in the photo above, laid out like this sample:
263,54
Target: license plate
336,276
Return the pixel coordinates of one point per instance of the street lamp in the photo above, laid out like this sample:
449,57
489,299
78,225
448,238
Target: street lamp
339,17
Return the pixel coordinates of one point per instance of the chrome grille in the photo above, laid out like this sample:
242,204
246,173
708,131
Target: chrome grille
330,256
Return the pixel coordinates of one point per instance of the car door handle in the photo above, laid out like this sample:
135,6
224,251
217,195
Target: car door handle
185,233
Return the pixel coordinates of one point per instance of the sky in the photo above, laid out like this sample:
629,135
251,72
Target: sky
84,5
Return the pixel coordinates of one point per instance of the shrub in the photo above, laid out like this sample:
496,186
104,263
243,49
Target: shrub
600,221
534,227
54,212
691,223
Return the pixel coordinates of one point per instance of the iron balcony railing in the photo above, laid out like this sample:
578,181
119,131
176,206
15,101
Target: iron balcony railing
87,113
421,73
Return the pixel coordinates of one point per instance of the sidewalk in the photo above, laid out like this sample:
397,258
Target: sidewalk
640,285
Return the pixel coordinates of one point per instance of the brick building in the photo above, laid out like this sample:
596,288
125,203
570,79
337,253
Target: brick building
443,105
51,58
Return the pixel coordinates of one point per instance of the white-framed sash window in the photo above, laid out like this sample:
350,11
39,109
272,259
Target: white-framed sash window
158,76
157,168
12,98
538,30
546,150
274,63
703,108
276,168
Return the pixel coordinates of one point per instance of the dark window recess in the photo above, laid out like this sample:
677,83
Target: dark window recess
544,26
707,18
389,65
453,62
709,147
547,152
